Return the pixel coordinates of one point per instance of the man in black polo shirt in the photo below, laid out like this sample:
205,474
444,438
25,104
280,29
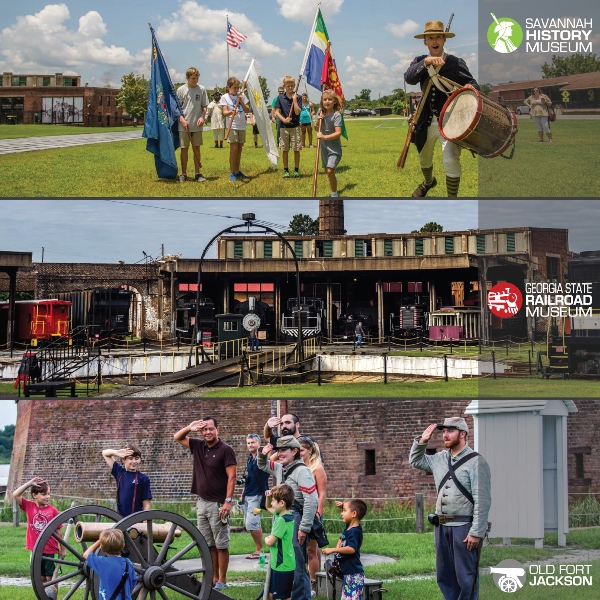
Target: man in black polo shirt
213,480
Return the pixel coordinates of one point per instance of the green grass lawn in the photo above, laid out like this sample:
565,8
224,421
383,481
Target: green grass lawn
455,388
415,556
7,390
460,350
562,169
121,169
8,132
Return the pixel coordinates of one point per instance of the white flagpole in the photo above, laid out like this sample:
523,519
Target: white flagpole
226,42
249,69
312,31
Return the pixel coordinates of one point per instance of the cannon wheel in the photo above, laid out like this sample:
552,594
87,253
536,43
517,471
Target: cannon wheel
79,576
159,576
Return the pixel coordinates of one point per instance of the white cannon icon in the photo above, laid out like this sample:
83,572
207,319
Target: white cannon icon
509,582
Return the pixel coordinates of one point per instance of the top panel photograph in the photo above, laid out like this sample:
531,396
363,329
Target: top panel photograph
299,100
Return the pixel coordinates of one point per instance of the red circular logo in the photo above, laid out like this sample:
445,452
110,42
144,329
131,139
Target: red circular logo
504,300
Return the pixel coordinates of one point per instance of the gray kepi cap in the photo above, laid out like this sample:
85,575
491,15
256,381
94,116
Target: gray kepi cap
454,423
287,441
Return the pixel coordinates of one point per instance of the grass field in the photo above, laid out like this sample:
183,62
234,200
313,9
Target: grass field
126,169
411,576
455,388
7,390
562,169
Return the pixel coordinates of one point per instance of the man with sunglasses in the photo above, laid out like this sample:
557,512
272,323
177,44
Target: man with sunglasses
290,469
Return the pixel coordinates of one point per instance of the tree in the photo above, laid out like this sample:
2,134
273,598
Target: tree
263,86
485,88
303,225
571,65
6,443
364,95
133,97
431,227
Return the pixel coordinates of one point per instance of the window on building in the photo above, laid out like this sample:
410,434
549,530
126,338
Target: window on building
108,120
298,249
263,292
99,100
480,243
324,248
449,245
19,81
230,326
579,470
107,100
99,117
69,81
359,247
238,249
552,268
45,81
268,249
418,246
370,466
388,247
510,242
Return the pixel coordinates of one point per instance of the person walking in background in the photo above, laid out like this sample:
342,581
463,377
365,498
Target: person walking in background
539,104
274,118
359,332
307,110
214,113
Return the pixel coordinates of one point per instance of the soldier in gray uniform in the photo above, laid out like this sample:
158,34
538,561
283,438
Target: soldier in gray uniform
462,478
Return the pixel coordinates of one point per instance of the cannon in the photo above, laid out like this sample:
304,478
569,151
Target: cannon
164,548
509,582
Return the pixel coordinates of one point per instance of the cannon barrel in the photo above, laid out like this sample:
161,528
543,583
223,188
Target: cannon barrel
509,571
90,532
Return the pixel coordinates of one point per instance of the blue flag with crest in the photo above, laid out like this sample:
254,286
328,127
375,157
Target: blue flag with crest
162,116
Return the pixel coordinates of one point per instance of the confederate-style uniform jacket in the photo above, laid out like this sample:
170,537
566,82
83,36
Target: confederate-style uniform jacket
454,69
473,475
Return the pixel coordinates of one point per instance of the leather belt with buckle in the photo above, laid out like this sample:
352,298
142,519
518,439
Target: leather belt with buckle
448,518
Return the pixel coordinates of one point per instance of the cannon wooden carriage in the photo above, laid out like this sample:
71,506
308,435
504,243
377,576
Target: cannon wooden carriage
169,554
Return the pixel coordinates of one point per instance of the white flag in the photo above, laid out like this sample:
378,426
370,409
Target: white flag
261,113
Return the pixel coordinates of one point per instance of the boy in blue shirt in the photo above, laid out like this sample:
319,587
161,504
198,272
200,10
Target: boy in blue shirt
347,551
133,486
283,557
117,575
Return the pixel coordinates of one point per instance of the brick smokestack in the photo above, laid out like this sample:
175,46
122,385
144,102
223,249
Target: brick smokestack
331,217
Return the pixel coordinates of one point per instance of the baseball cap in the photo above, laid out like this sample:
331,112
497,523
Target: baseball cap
454,423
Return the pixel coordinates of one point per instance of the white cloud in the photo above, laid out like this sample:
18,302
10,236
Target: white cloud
43,42
402,29
298,47
304,10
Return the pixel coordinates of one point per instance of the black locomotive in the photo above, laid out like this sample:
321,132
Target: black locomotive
186,316
312,311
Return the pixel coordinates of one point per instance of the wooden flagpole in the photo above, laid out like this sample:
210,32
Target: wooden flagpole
316,171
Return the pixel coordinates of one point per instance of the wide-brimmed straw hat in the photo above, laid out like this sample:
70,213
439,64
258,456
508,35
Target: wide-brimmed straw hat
434,27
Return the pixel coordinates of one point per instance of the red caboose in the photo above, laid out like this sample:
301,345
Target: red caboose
40,320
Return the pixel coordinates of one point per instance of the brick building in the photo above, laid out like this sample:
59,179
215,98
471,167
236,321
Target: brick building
57,99
366,449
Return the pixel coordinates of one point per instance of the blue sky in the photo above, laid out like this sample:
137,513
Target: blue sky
109,231
102,41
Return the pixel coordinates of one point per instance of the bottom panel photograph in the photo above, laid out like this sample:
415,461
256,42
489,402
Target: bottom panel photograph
344,499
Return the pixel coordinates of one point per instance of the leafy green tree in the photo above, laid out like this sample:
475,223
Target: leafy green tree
133,97
365,94
6,443
431,227
263,86
398,107
303,225
485,88
571,65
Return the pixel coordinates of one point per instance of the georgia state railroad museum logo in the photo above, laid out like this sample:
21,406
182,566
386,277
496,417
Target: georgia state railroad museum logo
504,300
504,35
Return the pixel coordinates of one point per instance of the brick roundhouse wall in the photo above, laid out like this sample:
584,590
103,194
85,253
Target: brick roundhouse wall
62,440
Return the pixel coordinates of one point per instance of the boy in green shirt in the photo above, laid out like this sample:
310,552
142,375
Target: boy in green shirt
283,558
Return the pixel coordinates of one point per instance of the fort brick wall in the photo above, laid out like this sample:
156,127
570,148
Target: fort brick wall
62,440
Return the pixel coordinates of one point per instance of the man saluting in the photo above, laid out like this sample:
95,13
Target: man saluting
426,131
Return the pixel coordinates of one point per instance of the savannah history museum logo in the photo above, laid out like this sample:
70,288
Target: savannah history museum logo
511,576
551,299
542,34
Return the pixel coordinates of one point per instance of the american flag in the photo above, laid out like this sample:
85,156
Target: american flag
234,37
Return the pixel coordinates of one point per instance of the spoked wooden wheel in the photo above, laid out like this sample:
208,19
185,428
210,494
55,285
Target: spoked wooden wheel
170,555
71,573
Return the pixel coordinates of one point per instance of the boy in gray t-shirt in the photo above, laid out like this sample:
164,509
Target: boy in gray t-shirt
329,126
194,101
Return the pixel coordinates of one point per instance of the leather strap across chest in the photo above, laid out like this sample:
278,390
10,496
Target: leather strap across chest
451,474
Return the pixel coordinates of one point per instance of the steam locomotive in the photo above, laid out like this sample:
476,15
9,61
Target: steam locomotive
312,311
186,315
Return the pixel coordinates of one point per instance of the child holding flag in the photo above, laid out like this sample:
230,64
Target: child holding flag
237,135
329,133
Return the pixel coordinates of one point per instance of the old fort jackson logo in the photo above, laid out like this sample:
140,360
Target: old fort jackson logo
541,34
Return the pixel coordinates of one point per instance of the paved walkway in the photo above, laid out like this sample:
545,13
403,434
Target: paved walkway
11,146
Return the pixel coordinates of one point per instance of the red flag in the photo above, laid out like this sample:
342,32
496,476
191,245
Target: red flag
329,76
